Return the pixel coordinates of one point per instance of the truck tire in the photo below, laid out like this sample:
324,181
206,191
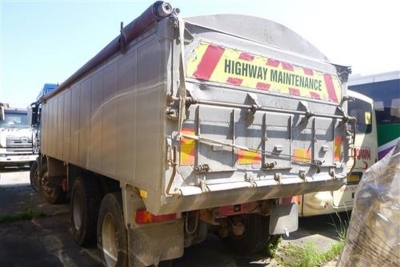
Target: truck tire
112,239
85,202
34,175
52,195
167,263
254,238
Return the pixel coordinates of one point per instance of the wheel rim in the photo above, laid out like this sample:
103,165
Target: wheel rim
47,190
109,241
45,183
77,211
36,179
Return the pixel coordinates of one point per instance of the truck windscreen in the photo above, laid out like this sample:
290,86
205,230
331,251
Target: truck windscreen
15,119
363,113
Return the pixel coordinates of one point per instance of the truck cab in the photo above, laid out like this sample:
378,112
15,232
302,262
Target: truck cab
15,137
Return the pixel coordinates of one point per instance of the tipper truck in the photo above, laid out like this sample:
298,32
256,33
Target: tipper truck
182,127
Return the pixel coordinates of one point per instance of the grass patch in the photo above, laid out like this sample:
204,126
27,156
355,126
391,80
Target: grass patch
273,245
308,256
25,214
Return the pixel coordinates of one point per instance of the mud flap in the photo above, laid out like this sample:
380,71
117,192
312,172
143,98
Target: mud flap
284,219
155,242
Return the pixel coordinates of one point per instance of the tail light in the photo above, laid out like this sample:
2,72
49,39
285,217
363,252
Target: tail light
143,216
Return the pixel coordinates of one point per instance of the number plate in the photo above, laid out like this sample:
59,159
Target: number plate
353,178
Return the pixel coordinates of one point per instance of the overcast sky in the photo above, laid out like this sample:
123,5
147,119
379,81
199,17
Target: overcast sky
47,41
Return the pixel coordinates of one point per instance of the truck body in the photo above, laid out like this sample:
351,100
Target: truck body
15,137
183,127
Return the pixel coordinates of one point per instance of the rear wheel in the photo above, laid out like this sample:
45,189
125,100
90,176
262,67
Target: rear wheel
34,176
251,234
85,203
167,263
111,232
52,195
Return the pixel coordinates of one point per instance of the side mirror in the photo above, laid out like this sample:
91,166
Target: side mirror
33,111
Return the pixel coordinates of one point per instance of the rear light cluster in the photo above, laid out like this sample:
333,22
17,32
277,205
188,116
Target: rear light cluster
293,199
143,216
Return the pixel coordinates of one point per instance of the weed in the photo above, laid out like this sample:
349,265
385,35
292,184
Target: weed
273,245
25,214
308,256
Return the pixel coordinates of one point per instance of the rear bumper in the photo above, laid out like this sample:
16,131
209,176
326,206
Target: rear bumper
192,198
328,202
16,159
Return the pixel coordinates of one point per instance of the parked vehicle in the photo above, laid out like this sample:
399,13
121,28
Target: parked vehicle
47,89
183,127
384,89
15,137
363,154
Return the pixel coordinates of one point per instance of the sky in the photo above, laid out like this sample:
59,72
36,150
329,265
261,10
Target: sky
47,41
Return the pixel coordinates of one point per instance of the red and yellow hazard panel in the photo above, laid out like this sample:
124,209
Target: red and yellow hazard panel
301,155
224,65
188,148
338,148
248,157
